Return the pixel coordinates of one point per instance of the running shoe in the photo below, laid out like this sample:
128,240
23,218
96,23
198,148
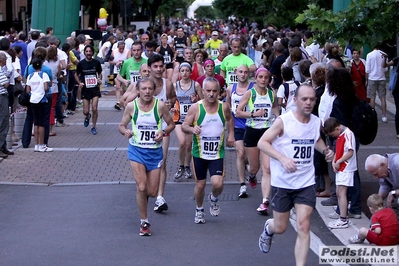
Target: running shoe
199,216
87,120
252,181
243,192
355,240
118,106
179,173
93,131
338,224
214,209
145,229
265,240
263,208
160,205
44,148
187,173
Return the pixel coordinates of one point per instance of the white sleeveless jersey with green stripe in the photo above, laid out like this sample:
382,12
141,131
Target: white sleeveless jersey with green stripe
257,102
209,144
144,126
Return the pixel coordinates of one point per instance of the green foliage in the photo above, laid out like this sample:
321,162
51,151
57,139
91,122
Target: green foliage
277,12
363,22
206,12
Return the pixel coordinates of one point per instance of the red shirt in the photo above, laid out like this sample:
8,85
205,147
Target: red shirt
387,221
219,78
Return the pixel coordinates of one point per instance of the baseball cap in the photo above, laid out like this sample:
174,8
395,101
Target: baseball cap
215,33
88,37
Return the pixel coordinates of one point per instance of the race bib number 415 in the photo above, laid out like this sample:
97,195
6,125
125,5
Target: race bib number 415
232,77
134,76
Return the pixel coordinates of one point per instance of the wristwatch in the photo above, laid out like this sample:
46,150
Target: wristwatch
164,132
393,193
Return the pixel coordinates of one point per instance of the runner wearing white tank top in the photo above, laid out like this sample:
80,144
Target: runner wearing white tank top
290,143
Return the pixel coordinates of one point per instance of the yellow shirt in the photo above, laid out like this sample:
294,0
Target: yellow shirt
213,47
72,58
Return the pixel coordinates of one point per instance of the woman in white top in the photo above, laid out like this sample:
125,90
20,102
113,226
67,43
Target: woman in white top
118,55
37,86
102,53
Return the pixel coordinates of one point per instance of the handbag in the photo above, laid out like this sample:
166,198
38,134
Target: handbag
18,88
393,78
24,98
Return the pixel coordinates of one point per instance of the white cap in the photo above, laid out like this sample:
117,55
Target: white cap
88,37
215,33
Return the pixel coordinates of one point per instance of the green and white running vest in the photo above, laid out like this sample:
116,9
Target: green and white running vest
257,102
209,144
144,126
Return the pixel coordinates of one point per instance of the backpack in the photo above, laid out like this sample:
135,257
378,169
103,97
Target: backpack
287,88
364,122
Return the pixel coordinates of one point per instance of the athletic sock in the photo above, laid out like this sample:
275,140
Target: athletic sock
267,231
242,184
213,198
145,220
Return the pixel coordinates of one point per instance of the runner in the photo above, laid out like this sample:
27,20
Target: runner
261,109
88,76
168,53
233,97
118,56
212,46
235,60
187,93
209,117
290,143
129,72
145,144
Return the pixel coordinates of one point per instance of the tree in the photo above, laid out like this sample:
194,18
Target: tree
363,22
206,12
277,12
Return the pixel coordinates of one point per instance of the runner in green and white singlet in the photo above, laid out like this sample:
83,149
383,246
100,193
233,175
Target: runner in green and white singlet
206,121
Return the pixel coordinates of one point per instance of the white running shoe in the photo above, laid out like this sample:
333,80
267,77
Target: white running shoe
44,148
243,192
199,217
214,209
160,205
338,224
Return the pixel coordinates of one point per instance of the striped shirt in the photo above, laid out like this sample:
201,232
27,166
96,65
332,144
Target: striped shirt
3,81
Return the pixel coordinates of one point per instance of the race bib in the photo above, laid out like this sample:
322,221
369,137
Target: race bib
134,76
90,81
214,52
184,109
180,52
234,107
232,77
210,146
302,151
266,107
166,59
117,69
146,135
